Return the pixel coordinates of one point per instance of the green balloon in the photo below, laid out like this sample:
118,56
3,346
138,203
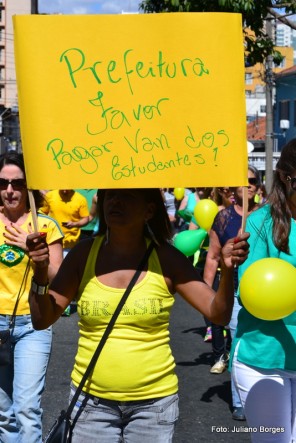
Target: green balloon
188,242
185,214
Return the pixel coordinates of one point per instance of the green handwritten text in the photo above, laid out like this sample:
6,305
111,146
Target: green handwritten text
112,118
120,171
128,68
146,143
87,157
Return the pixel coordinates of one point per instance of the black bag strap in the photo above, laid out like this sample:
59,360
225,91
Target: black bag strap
108,329
12,318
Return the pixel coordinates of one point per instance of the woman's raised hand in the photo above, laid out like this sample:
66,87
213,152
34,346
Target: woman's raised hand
236,250
38,249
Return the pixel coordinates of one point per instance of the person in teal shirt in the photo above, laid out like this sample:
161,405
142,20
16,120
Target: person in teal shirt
264,352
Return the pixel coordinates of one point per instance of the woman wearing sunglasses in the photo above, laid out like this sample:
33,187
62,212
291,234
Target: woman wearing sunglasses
264,363
22,380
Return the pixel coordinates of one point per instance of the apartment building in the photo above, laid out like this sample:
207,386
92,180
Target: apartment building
8,88
255,83
9,122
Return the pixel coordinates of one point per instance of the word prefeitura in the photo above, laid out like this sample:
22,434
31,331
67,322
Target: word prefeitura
126,69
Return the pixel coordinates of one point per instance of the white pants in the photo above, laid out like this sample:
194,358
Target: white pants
269,400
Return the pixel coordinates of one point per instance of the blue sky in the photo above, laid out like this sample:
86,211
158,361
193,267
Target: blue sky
87,6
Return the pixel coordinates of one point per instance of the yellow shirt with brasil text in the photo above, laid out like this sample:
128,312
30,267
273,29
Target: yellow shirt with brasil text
136,362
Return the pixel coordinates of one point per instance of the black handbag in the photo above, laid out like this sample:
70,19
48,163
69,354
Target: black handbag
6,355
5,348
61,431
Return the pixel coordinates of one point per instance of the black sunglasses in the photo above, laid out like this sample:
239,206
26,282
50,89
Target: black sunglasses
252,181
225,190
17,183
292,182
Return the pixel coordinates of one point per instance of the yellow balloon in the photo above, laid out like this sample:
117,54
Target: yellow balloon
179,193
267,289
257,198
204,212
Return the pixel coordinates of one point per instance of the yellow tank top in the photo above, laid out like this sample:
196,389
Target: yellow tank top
136,362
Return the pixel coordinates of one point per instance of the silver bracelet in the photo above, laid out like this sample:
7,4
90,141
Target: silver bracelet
39,289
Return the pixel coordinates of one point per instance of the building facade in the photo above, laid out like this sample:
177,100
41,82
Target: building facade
9,121
285,106
255,83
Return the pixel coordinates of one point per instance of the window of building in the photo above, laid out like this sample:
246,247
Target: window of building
284,110
249,78
282,64
263,109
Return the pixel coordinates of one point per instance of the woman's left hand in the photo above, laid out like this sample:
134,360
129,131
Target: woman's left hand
38,249
236,250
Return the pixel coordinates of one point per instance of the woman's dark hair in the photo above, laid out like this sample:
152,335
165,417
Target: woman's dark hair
279,208
256,173
159,224
17,159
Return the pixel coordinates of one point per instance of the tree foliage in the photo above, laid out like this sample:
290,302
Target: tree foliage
254,14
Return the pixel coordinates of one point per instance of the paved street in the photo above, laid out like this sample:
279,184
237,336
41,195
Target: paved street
204,398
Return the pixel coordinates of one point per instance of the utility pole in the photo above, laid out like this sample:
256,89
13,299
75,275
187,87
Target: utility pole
269,112
34,6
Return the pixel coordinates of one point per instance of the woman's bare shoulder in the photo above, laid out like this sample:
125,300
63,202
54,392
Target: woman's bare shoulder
83,246
77,256
174,263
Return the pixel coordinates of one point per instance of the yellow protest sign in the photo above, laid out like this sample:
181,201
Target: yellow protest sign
147,100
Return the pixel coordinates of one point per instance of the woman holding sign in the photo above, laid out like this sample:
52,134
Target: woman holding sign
131,395
264,362
22,378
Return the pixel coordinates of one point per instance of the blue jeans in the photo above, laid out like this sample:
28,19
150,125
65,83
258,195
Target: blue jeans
236,403
22,383
146,421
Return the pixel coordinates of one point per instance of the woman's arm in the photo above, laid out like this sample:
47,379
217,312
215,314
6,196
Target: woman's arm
93,208
213,258
185,279
259,242
183,203
47,308
192,226
55,250
77,224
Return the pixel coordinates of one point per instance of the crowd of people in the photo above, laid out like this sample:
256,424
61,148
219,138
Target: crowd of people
88,246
